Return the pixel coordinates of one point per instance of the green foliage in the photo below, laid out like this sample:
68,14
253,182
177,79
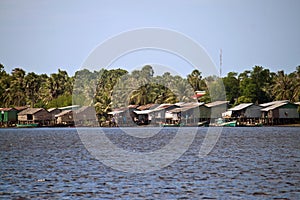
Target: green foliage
253,84
231,84
61,101
152,93
243,99
104,89
108,89
20,89
216,88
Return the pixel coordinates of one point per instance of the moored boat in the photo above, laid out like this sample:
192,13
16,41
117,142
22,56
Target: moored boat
32,125
172,125
220,122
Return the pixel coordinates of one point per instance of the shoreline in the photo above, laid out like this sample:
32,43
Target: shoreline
63,127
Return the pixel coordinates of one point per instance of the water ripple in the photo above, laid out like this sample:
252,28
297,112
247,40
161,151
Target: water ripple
247,163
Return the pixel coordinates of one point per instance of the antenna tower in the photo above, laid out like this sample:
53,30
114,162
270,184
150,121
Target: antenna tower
220,62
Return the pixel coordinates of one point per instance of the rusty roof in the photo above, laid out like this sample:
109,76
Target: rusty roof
7,109
20,108
147,106
132,106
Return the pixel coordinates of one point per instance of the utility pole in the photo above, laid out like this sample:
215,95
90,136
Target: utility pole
220,63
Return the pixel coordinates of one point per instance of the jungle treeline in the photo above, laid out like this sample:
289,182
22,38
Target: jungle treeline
107,89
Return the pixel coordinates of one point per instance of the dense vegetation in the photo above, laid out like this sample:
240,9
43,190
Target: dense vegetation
108,89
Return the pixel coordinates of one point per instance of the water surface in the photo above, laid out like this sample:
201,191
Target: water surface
246,163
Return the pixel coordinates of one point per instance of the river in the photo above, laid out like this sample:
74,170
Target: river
245,163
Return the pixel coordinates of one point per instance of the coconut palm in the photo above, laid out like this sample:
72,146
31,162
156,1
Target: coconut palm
194,80
283,87
32,87
15,94
296,84
183,90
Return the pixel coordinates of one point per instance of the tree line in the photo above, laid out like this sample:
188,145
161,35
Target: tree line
107,89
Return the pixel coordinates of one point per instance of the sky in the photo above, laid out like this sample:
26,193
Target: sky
42,36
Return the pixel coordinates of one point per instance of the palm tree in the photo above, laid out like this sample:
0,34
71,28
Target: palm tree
183,90
32,87
15,94
194,80
296,83
283,87
58,84
4,85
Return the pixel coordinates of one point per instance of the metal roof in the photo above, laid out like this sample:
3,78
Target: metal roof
186,106
141,112
64,113
272,107
70,107
115,112
163,106
7,109
31,111
272,103
216,103
52,109
20,108
147,106
241,106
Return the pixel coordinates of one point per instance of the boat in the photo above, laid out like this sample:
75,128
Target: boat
171,125
32,125
220,122
203,123
229,124
251,125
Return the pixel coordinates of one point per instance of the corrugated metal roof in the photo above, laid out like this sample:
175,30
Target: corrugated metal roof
176,110
31,111
143,112
216,103
241,106
148,106
274,106
70,107
65,112
163,106
7,109
115,112
52,109
20,108
133,106
85,108
186,106
272,103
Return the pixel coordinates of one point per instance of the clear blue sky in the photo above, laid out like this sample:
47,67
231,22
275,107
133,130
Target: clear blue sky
42,36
